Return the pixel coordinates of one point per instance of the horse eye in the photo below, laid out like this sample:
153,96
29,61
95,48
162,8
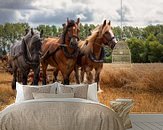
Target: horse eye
76,30
69,29
107,32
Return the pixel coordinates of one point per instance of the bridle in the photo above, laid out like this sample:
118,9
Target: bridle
101,59
69,36
29,60
75,53
108,40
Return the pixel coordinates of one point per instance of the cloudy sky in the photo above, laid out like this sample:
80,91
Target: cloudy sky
35,12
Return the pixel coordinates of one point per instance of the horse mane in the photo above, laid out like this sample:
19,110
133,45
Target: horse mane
87,45
28,35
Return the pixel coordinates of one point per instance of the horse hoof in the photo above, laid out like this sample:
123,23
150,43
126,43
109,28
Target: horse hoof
100,91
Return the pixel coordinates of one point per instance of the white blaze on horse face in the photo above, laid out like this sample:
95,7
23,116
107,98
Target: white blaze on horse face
74,31
112,35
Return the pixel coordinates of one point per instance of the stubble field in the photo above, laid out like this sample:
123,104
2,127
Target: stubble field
141,82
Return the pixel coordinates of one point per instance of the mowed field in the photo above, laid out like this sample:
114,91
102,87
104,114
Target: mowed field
141,82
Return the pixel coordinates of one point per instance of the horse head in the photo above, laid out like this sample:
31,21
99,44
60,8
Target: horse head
71,33
106,34
33,44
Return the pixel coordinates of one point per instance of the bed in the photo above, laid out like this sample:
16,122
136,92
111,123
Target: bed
61,111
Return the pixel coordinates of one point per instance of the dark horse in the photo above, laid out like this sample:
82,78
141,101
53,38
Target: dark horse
62,52
25,55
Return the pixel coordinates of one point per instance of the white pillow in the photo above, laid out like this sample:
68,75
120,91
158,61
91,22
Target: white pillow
80,91
92,92
27,91
20,92
50,95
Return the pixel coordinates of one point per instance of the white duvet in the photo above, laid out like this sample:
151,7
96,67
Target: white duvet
59,114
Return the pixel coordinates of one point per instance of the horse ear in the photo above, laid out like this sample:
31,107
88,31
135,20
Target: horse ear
78,21
109,23
104,23
32,31
26,31
68,21
41,33
63,25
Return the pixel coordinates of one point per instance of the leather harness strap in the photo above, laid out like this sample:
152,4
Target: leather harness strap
92,57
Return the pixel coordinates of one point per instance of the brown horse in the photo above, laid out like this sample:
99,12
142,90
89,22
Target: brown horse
92,52
62,52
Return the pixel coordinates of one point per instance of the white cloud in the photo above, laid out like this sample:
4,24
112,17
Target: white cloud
136,12
81,16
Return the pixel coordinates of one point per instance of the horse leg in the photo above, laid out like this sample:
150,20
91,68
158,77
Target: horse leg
66,79
76,69
97,77
82,75
55,73
14,79
25,77
44,68
89,75
66,73
36,75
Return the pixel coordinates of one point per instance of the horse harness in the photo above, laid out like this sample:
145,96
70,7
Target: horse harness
63,46
92,56
22,52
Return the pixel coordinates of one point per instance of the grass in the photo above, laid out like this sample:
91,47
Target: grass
7,95
142,82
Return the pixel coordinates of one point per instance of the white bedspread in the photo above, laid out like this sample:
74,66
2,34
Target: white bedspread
59,114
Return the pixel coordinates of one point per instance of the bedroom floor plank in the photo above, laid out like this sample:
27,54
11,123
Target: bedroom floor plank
135,127
146,121
144,126
160,123
153,126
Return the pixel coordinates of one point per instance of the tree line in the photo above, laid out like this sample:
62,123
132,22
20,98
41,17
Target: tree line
146,44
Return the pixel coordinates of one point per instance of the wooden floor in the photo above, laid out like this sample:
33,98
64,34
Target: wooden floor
146,121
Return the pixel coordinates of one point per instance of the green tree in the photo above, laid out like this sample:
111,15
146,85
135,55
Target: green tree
160,38
10,32
108,56
54,30
42,27
117,32
153,49
136,47
82,32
